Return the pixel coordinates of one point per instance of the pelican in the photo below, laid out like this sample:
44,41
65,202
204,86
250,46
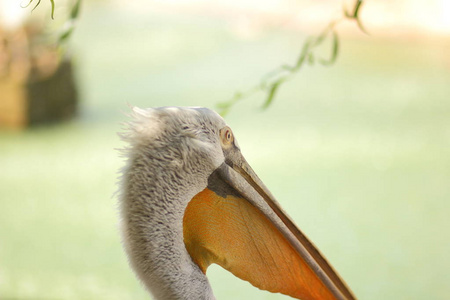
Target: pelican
189,199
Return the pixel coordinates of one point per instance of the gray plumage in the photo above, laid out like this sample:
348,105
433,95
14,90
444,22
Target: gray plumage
174,154
171,153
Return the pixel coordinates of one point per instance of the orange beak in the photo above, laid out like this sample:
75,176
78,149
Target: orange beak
237,223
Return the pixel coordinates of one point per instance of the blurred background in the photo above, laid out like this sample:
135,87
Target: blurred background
358,153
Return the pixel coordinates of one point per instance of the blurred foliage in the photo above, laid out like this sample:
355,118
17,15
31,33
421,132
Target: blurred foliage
70,22
271,82
39,2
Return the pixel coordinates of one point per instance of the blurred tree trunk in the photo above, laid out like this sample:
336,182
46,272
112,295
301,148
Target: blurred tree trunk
36,84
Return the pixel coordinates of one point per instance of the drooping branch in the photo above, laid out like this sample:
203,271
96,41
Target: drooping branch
69,25
39,2
271,82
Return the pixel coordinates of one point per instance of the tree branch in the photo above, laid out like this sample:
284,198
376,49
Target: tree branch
271,82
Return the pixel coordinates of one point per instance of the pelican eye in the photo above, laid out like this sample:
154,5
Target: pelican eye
226,135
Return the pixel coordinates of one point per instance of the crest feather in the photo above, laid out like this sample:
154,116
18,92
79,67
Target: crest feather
144,124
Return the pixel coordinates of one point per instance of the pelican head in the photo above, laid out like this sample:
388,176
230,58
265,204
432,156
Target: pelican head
190,199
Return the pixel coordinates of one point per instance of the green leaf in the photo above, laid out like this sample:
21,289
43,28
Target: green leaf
319,40
66,34
223,112
273,74
53,8
303,54
311,59
224,107
272,93
360,25
355,15
334,51
39,2
75,10
27,4
71,22
357,7
347,14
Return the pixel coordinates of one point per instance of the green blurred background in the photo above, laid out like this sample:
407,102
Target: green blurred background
357,153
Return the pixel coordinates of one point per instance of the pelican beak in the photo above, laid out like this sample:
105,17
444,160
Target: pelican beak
237,223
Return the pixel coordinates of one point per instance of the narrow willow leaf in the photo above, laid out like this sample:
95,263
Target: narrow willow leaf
311,59
272,93
223,110
27,4
66,34
334,51
223,105
303,54
319,40
39,2
71,22
357,7
288,68
335,47
53,8
361,27
355,15
321,37
271,76
229,103
75,10
223,113
347,14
